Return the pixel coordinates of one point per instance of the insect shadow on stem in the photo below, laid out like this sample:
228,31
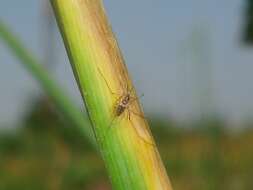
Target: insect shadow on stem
122,105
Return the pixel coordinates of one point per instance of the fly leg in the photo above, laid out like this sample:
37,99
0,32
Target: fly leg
107,84
113,116
140,115
137,132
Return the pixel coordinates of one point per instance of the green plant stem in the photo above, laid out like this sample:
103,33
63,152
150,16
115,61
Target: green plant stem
128,149
62,101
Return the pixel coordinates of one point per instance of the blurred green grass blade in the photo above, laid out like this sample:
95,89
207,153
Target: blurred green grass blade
63,102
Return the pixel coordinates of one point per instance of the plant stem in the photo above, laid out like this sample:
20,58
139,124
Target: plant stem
127,147
62,101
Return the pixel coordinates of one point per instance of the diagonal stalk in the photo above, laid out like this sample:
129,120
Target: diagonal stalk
126,144
62,101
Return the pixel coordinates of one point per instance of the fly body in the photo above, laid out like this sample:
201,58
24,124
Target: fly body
122,105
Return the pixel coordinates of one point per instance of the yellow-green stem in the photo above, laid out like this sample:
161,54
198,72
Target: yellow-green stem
127,147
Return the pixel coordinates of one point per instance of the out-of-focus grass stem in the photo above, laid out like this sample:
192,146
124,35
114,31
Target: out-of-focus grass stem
53,89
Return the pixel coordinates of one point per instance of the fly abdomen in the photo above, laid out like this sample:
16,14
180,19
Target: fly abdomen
119,110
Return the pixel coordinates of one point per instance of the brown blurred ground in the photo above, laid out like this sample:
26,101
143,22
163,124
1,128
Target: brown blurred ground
45,153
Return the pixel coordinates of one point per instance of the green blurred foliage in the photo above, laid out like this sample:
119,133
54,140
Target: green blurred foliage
248,28
46,153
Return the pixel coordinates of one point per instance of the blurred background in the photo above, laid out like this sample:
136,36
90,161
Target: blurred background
192,60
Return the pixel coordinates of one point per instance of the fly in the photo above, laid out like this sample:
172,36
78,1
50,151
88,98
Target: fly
123,105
